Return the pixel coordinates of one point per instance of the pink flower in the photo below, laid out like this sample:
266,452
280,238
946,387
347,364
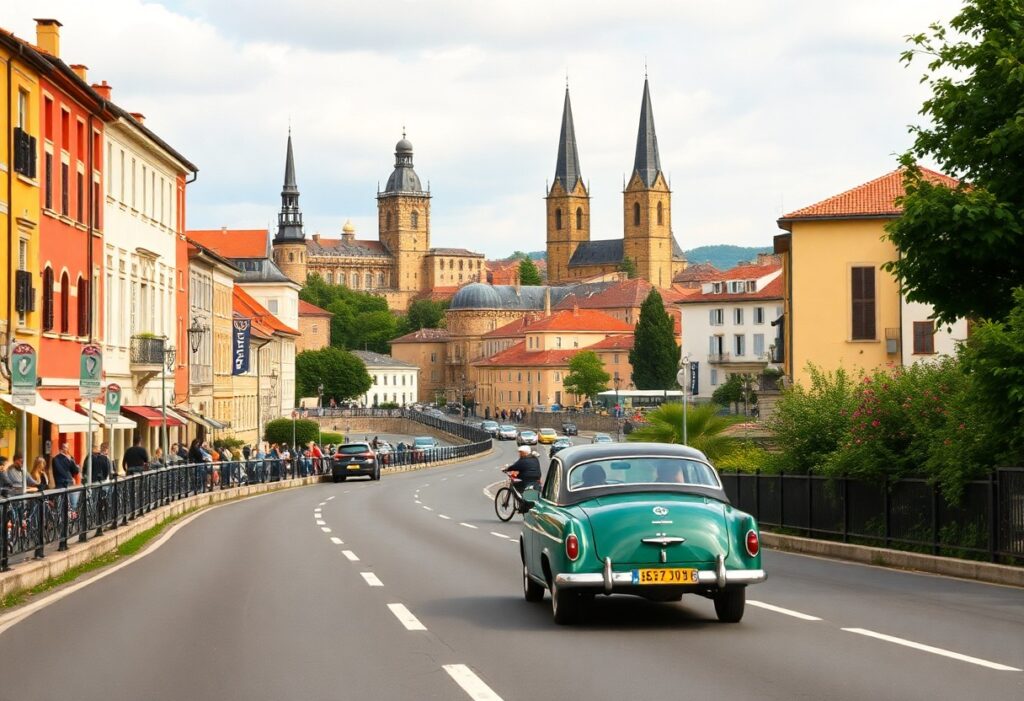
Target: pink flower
876,423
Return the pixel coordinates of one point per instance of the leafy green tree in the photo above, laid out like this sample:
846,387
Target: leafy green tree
426,314
343,375
704,428
528,273
518,255
962,249
280,431
373,331
587,377
729,392
626,265
655,353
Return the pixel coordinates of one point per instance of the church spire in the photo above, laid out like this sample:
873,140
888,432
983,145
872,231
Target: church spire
289,219
647,162
567,168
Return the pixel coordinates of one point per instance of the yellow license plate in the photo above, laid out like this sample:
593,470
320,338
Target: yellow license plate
665,575
355,466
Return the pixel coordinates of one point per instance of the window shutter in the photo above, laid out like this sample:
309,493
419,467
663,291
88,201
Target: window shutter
862,294
711,345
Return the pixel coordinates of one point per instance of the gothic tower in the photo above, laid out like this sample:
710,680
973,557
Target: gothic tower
647,206
290,241
568,203
403,220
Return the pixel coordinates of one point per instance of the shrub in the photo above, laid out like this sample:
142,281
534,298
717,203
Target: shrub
746,457
280,431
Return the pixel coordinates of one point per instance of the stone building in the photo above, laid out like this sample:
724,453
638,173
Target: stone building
315,327
393,381
426,350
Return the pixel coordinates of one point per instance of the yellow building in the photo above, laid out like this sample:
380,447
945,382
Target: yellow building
20,318
840,308
223,385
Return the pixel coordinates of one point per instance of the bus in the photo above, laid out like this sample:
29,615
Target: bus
637,398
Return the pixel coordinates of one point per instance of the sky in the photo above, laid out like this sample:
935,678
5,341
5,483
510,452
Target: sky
761,106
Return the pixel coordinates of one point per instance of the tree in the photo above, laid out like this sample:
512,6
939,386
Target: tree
426,314
528,273
962,248
626,265
655,353
587,376
281,431
373,331
704,428
343,375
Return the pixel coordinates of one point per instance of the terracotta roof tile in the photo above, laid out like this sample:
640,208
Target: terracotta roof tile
697,272
618,342
747,272
307,309
519,356
245,306
580,320
232,243
627,293
876,198
513,329
423,336
258,310
773,290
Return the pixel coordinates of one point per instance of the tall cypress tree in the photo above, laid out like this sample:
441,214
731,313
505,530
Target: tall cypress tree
655,354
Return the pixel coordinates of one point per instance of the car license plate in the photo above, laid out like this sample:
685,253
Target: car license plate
354,466
665,575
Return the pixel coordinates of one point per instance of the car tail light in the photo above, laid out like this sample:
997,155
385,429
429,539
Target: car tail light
753,544
572,546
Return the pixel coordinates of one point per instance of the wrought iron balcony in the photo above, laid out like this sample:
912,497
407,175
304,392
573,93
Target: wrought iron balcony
146,352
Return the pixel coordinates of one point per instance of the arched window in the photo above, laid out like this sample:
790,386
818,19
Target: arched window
661,219
291,256
415,219
65,299
442,264
48,299
579,217
369,280
355,281
558,218
460,264
387,221
636,214
83,307
380,280
330,277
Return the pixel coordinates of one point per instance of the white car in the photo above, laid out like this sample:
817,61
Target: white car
507,432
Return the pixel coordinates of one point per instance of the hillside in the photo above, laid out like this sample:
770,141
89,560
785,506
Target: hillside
724,256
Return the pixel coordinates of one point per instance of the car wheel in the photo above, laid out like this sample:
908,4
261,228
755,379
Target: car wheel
729,604
341,478
376,475
565,605
532,591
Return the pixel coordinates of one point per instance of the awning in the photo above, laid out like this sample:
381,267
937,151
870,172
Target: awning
66,420
218,425
99,416
205,421
151,415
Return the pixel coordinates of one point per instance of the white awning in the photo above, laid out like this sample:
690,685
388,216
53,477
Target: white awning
99,416
66,420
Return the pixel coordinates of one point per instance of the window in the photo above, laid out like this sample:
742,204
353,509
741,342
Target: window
660,215
121,178
558,341
737,286
924,337
433,357
80,198
316,330
579,224
717,317
716,288
558,218
272,306
758,315
65,130
414,219
862,297
48,180
380,280
329,277
355,281
48,299
737,316
739,344
387,220
83,307
636,214
758,345
65,195
65,300
22,109
133,183
714,377
369,280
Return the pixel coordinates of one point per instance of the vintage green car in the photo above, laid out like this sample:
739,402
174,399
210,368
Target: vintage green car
647,519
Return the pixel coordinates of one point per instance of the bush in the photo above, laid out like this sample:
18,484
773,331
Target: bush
280,431
746,457
387,405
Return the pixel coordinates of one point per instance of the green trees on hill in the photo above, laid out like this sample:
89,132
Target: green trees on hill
342,374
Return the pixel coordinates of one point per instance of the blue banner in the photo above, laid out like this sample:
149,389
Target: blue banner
694,377
240,346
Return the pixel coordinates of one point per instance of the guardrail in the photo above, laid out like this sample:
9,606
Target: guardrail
454,428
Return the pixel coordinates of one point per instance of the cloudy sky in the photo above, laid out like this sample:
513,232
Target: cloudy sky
761,106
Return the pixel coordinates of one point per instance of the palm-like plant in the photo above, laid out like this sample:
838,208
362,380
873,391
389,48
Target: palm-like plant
704,428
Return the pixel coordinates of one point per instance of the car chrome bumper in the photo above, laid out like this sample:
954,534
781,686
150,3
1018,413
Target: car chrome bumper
609,579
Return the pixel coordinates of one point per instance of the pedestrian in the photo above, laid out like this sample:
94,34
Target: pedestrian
64,470
15,475
40,473
101,466
182,453
134,460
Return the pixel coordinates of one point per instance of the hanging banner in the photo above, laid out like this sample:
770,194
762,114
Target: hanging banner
90,372
23,375
240,346
112,404
694,377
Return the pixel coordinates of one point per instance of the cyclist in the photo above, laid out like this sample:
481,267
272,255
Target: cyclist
525,471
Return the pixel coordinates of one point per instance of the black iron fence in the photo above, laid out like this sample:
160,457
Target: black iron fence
987,523
449,426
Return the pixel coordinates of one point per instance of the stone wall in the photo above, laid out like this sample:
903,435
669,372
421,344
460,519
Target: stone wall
361,427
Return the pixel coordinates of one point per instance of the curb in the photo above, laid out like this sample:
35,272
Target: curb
988,572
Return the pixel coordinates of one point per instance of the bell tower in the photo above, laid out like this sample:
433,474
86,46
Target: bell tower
647,205
403,220
568,203
290,241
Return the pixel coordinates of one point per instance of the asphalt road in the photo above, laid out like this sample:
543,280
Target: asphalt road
409,588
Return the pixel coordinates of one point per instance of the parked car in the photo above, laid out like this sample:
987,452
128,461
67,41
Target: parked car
507,432
384,452
547,436
491,427
526,437
424,448
561,443
647,519
569,428
601,438
354,460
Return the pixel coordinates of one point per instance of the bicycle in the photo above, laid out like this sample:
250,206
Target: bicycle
508,500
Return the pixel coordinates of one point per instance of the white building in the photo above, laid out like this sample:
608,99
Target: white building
393,380
142,223
728,327
922,339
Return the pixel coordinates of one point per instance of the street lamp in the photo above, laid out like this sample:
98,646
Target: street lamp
683,378
168,352
195,334
319,412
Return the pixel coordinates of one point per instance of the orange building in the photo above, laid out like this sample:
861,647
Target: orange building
315,327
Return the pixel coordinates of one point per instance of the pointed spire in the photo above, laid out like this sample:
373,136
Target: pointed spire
647,162
289,219
289,168
567,168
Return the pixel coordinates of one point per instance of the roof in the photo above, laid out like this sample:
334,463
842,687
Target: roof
609,252
232,243
625,293
567,167
307,309
621,342
697,272
773,290
243,305
479,295
438,294
203,250
423,336
585,320
379,360
873,199
260,270
454,252
519,356
647,161
255,309
342,248
513,329
403,178
747,272
678,293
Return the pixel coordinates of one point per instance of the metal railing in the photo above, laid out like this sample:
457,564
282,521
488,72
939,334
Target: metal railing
454,428
986,523
146,350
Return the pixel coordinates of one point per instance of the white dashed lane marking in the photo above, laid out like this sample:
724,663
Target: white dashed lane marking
329,498
406,618
325,529
446,518
779,609
467,525
350,555
371,579
427,508
934,650
471,683
321,523
337,541
500,535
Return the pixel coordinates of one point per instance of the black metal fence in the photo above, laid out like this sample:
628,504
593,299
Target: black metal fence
449,426
987,523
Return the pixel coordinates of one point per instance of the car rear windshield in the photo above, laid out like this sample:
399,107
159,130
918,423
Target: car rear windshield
508,427
527,433
424,441
490,424
632,471
354,449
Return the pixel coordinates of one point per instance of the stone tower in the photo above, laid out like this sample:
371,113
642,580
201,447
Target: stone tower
290,241
647,206
403,220
568,203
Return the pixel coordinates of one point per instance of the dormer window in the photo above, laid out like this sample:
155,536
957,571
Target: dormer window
717,288
751,286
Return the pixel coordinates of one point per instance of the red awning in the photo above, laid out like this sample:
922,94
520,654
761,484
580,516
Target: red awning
151,415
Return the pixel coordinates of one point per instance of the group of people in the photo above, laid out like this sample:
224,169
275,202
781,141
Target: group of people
515,415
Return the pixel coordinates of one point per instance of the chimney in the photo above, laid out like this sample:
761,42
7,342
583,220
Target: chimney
138,117
102,89
316,238
48,36
547,301
80,70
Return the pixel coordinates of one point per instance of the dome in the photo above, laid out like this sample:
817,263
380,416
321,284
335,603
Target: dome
476,296
348,228
403,146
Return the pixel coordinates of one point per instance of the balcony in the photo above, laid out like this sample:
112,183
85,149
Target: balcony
146,358
740,363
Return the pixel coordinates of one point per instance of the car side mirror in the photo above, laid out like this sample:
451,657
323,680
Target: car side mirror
530,497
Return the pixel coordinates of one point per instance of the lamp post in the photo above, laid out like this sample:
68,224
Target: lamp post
683,378
168,364
617,411
319,412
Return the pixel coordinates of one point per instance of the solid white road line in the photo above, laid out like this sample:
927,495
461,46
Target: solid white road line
427,508
350,555
406,618
336,540
467,525
470,683
500,535
446,518
329,498
371,579
779,609
933,650
325,529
